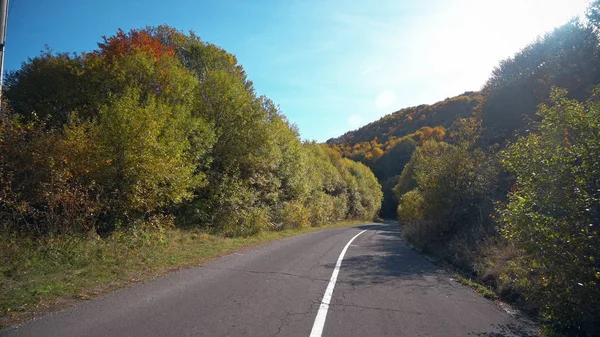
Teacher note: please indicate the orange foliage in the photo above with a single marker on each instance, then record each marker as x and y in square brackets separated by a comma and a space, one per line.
[377, 152]
[427, 133]
[134, 41]
[438, 134]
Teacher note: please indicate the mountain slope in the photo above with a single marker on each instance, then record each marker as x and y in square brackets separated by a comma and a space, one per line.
[409, 120]
[387, 144]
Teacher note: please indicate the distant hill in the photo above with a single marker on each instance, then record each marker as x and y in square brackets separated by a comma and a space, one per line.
[408, 120]
[387, 144]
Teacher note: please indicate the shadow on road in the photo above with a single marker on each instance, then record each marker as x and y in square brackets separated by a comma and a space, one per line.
[505, 330]
[383, 257]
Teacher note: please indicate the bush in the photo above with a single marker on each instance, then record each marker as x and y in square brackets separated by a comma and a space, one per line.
[453, 184]
[46, 177]
[410, 210]
[294, 215]
[553, 213]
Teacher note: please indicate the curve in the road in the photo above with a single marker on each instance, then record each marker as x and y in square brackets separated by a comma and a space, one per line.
[317, 329]
[383, 288]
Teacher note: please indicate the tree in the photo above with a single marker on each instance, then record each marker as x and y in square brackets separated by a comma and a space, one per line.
[444, 189]
[593, 14]
[159, 122]
[553, 213]
[145, 143]
[50, 86]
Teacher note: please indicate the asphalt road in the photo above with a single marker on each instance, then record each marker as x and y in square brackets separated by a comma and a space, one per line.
[383, 289]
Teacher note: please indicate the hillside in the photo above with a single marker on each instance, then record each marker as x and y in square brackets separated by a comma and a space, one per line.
[387, 144]
[408, 120]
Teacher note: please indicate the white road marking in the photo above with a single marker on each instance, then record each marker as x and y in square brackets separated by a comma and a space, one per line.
[317, 329]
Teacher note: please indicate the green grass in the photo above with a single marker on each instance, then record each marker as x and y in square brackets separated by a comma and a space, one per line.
[487, 293]
[46, 274]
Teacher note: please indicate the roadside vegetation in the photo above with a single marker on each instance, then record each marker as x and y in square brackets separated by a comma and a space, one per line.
[151, 151]
[504, 183]
[44, 274]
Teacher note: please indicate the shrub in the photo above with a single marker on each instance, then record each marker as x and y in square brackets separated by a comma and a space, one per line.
[553, 213]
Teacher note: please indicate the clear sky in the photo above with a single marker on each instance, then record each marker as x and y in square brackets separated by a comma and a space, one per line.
[331, 65]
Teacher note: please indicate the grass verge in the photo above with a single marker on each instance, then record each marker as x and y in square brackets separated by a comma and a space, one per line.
[38, 276]
[481, 289]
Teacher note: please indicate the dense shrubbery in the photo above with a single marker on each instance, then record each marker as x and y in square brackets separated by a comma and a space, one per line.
[546, 257]
[158, 123]
[443, 191]
[553, 213]
[548, 251]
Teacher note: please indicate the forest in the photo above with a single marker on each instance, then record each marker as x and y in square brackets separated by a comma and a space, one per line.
[157, 124]
[152, 133]
[503, 184]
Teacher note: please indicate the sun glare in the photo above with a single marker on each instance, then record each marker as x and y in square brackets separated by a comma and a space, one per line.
[523, 20]
[478, 34]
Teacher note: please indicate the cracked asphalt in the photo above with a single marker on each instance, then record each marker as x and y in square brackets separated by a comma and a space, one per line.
[383, 289]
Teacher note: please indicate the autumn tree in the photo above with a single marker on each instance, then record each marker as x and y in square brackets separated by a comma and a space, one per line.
[157, 122]
[553, 212]
[444, 192]
[123, 44]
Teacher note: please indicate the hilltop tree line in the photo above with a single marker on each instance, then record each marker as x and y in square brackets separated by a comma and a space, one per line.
[156, 127]
[506, 186]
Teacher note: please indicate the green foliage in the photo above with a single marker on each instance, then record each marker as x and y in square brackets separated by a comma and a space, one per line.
[348, 182]
[49, 87]
[443, 192]
[144, 146]
[406, 181]
[411, 215]
[158, 123]
[386, 145]
[553, 213]
[246, 155]
[487, 293]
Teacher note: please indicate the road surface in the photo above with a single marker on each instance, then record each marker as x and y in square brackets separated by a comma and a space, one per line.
[382, 288]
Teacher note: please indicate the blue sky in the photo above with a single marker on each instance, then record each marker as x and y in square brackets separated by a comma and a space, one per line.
[331, 65]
